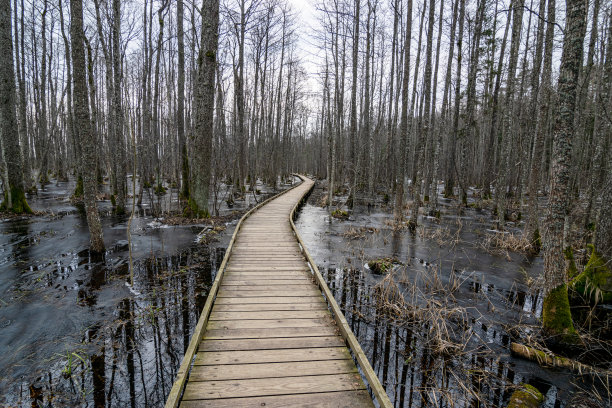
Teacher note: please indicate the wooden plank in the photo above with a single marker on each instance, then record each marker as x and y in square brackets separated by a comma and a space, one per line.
[269, 315]
[266, 324]
[342, 399]
[306, 286]
[268, 333]
[242, 300]
[271, 356]
[271, 344]
[265, 293]
[267, 282]
[270, 306]
[307, 291]
[257, 387]
[267, 370]
[270, 268]
[230, 276]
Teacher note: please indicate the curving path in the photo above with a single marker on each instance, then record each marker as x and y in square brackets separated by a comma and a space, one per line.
[270, 339]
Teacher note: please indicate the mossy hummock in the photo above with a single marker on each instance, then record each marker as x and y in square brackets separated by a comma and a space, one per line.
[527, 396]
[595, 282]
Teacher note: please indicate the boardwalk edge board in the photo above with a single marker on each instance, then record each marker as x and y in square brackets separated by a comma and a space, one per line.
[176, 393]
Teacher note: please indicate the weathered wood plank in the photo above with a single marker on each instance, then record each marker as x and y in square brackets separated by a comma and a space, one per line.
[269, 306]
[343, 399]
[265, 324]
[269, 315]
[271, 356]
[268, 333]
[267, 370]
[251, 282]
[242, 300]
[272, 386]
[307, 291]
[271, 344]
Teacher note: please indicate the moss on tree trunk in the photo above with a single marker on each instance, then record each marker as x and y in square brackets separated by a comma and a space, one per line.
[595, 282]
[19, 204]
[557, 317]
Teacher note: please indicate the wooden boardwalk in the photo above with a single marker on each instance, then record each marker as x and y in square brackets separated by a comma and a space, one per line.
[269, 338]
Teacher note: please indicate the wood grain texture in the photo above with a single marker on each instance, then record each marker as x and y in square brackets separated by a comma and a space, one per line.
[342, 399]
[257, 387]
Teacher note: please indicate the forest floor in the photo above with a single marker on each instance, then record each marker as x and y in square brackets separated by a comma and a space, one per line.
[436, 325]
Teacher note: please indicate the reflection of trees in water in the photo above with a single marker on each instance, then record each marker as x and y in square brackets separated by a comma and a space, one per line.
[413, 370]
[132, 360]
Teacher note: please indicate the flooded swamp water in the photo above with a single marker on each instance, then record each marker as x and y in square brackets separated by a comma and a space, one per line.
[74, 332]
[437, 329]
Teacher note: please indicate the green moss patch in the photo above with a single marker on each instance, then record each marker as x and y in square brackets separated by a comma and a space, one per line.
[557, 318]
[18, 202]
[340, 214]
[527, 396]
[382, 265]
[595, 282]
[572, 271]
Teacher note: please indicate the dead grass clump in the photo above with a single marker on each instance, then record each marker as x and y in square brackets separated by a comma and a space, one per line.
[506, 242]
[359, 232]
[428, 304]
[389, 298]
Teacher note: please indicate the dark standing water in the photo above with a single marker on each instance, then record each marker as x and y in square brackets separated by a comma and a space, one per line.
[73, 332]
[489, 307]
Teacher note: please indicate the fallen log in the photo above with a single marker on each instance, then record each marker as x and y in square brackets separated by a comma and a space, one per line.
[552, 360]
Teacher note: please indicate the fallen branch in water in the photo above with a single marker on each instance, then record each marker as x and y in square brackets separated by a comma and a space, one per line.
[544, 358]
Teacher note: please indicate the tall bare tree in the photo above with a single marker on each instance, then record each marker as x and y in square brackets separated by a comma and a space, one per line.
[83, 126]
[204, 100]
[14, 197]
[556, 316]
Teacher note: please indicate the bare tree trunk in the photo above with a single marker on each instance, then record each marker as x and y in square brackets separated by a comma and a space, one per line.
[503, 176]
[42, 122]
[424, 129]
[532, 230]
[353, 124]
[83, 126]
[29, 183]
[445, 101]
[603, 222]
[556, 316]
[204, 108]
[452, 164]
[467, 135]
[180, 120]
[399, 188]
[367, 133]
[14, 198]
